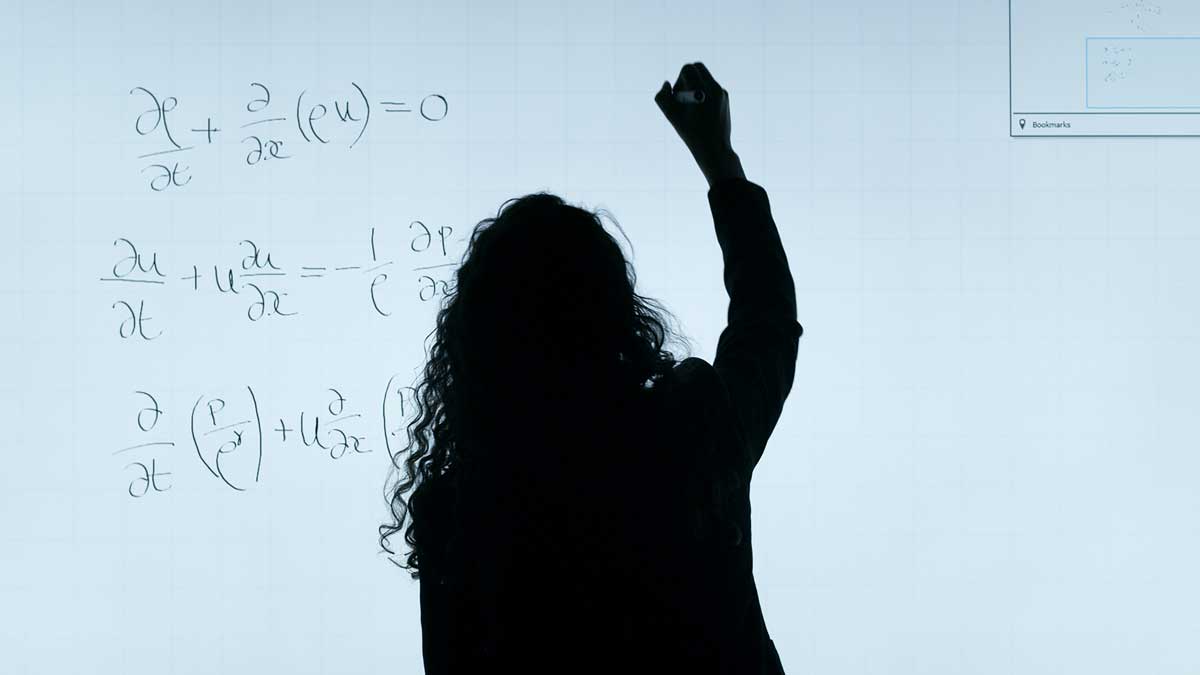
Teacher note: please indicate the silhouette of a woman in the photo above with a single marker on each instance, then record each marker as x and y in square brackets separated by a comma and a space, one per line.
[577, 498]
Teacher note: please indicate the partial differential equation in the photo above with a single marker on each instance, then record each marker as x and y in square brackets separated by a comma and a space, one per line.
[263, 281]
[266, 130]
[233, 436]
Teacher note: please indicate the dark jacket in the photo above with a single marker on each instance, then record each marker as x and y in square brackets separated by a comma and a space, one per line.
[600, 573]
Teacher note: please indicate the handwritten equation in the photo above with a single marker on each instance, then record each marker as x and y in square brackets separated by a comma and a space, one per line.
[1140, 14]
[1117, 62]
[264, 285]
[318, 121]
[231, 434]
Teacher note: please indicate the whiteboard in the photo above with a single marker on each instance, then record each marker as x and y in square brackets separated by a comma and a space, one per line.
[987, 463]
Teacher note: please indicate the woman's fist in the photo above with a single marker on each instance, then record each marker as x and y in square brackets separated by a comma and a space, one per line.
[703, 126]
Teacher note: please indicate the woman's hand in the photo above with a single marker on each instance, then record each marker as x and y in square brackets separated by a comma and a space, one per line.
[703, 127]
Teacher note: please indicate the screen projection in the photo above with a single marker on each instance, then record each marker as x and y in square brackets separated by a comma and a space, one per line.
[228, 226]
[1109, 68]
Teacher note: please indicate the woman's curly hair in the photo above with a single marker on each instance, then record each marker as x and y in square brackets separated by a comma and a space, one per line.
[543, 292]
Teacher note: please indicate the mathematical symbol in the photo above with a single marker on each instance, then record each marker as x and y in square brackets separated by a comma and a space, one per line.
[165, 152]
[208, 129]
[269, 119]
[372, 269]
[283, 429]
[195, 278]
[388, 103]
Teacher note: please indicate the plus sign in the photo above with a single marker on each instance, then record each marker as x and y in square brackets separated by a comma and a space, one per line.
[208, 129]
[283, 430]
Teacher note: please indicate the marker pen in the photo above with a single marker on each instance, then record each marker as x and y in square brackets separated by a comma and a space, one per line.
[689, 96]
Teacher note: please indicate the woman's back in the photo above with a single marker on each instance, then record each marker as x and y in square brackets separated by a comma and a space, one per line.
[618, 538]
[596, 559]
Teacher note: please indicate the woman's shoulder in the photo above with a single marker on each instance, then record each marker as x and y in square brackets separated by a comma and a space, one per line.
[694, 390]
[688, 379]
[699, 409]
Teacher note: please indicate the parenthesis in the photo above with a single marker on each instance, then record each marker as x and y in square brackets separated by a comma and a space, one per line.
[258, 421]
[367, 119]
[298, 125]
[387, 444]
[196, 443]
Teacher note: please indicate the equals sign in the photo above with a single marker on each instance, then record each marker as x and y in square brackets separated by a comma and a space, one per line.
[394, 103]
[311, 269]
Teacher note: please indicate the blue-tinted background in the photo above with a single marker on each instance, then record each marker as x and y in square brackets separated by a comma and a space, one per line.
[988, 462]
